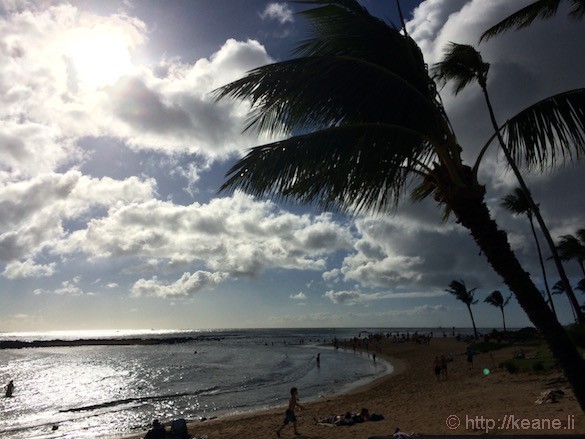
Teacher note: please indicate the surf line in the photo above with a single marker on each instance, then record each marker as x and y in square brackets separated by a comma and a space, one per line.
[124, 401]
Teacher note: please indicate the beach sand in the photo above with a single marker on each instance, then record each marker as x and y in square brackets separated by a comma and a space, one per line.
[413, 400]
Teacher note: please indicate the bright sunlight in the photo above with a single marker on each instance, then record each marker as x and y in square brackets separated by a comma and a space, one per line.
[99, 57]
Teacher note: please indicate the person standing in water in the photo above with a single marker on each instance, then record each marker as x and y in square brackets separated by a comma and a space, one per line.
[9, 388]
[289, 416]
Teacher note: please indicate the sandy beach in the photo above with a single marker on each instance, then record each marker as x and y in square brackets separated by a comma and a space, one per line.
[412, 399]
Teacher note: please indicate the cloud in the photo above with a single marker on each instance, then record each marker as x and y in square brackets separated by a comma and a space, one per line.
[51, 95]
[356, 297]
[187, 286]
[278, 11]
[236, 235]
[299, 296]
[67, 288]
[28, 268]
[33, 212]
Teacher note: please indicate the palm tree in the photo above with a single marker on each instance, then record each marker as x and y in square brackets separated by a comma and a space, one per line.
[496, 299]
[573, 248]
[559, 288]
[464, 65]
[460, 291]
[581, 287]
[517, 203]
[367, 121]
[541, 9]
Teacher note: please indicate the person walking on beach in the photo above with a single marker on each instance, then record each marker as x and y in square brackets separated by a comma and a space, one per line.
[289, 416]
[318, 360]
[437, 368]
[443, 367]
[469, 354]
[9, 389]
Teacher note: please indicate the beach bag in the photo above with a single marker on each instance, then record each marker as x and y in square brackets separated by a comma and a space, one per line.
[376, 417]
[179, 429]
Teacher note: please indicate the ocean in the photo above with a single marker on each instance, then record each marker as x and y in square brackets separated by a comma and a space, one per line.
[115, 390]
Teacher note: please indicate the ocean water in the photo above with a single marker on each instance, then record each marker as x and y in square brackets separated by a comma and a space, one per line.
[109, 391]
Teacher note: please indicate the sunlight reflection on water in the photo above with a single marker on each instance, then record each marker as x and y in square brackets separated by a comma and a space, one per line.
[97, 391]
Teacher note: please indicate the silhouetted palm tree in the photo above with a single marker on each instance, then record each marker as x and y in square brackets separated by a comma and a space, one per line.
[559, 289]
[496, 299]
[517, 203]
[464, 65]
[460, 291]
[572, 248]
[541, 9]
[581, 287]
[367, 120]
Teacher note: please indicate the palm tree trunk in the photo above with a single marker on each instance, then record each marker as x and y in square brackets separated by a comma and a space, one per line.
[468, 205]
[503, 318]
[535, 209]
[472, 321]
[550, 299]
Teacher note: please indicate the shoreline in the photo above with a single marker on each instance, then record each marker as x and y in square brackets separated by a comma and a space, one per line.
[395, 366]
[411, 398]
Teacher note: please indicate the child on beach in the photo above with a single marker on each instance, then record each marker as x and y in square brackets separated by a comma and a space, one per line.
[289, 416]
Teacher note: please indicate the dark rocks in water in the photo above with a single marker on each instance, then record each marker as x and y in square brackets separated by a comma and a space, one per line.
[17, 344]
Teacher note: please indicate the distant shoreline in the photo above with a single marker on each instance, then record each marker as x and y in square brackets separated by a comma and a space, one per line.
[18, 344]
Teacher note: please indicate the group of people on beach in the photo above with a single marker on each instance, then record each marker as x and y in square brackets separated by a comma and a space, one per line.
[335, 420]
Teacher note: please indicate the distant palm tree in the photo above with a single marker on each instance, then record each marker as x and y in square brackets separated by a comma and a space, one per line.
[517, 203]
[581, 287]
[496, 299]
[464, 65]
[541, 9]
[460, 291]
[572, 248]
[559, 288]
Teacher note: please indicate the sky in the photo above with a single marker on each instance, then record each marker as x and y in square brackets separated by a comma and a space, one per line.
[112, 152]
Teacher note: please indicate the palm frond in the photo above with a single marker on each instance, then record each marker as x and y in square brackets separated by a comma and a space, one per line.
[353, 168]
[559, 288]
[495, 299]
[548, 132]
[541, 9]
[461, 64]
[298, 95]
[460, 291]
[517, 202]
[570, 247]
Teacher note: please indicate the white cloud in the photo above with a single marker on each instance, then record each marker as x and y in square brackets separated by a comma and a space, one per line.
[236, 235]
[299, 296]
[356, 297]
[28, 268]
[188, 285]
[67, 288]
[33, 211]
[278, 11]
[55, 88]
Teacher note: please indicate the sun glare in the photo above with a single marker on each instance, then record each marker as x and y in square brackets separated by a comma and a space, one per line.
[98, 58]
